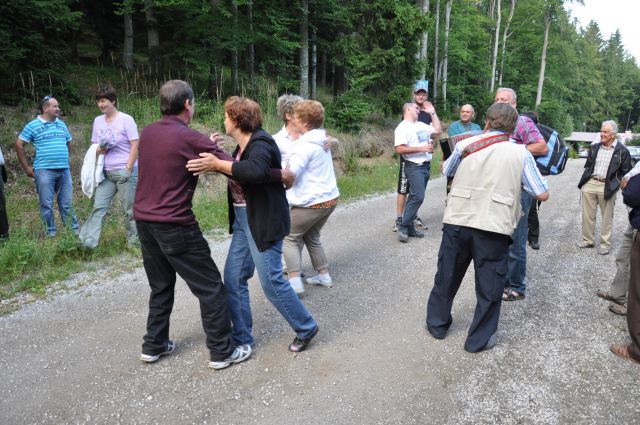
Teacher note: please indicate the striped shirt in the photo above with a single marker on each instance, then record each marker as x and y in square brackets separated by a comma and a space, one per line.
[50, 141]
[603, 159]
[532, 180]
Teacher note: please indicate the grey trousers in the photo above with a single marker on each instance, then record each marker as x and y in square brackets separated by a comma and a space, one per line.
[116, 182]
[620, 283]
[306, 224]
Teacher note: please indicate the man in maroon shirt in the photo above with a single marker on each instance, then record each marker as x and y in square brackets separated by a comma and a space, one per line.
[170, 237]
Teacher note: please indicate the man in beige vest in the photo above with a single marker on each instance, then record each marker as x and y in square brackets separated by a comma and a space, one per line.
[483, 209]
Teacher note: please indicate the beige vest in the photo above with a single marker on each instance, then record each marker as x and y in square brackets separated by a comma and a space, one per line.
[485, 193]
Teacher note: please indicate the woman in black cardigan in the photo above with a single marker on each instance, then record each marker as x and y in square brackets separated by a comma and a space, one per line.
[259, 218]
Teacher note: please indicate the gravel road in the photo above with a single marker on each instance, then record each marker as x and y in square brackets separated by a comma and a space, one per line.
[73, 358]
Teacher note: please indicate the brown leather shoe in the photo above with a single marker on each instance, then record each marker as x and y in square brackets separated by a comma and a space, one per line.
[605, 295]
[622, 351]
[619, 309]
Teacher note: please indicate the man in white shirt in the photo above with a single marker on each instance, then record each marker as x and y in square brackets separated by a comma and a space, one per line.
[412, 141]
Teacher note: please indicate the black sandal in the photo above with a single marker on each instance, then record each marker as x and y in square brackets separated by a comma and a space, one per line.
[301, 344]
[511, 297]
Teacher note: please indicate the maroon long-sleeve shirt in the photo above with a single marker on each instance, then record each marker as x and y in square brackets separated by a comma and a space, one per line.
[165, 187]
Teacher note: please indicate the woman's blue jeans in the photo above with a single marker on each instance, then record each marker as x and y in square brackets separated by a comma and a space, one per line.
[243, 256]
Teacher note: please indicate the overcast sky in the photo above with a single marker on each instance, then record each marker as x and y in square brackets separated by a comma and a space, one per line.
[611, 15]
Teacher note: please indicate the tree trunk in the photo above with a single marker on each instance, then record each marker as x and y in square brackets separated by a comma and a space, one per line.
[494, 56]
[234, 52]
[153, 38]
[447, 15]
[314, 64]
[543, 60]
[490, 12]
[505, 35]
[323, 69]
[127, 50]
[252, 55]
[435, 54]
[304, 49]
[424, 42]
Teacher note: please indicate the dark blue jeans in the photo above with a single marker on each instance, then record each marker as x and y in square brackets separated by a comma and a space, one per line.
[168, 249]
[518, 250]
[418, 176]
[276, 288]
[488, 251]
[238, 269]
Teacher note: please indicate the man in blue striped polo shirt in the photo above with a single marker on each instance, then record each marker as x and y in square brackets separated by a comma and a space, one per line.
[52, 142]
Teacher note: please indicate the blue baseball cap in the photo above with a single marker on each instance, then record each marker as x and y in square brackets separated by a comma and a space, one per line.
[421, 85]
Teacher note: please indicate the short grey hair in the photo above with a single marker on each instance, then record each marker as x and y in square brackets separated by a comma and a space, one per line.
[612, 124]
[285, 105]
[514, 96]
[173, 94]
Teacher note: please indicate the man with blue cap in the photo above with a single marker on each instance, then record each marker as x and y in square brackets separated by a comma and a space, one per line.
[427, 113]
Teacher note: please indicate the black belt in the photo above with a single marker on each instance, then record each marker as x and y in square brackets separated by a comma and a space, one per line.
[599, 179]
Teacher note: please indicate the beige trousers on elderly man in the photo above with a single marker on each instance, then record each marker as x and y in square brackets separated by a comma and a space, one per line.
[593, 197]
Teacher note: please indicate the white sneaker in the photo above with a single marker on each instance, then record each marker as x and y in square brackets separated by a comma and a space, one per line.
[321, 279]
[297, 285]
[240, 354]
[152, 358]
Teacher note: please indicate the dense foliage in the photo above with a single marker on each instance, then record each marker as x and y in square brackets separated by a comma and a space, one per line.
[363, 55]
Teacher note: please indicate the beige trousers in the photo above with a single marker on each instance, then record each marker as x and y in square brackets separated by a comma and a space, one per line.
[306, 224]
[592, 198]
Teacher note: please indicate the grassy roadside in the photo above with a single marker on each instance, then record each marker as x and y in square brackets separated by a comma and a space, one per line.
[31, 262]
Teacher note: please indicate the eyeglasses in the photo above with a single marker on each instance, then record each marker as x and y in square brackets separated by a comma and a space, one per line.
[44, 99]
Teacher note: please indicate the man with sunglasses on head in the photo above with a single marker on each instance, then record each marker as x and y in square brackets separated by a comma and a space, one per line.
[52, 142]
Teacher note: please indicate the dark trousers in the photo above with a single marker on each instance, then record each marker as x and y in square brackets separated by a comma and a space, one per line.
[533, 222]
[633, 299]
[488, 251]
[168, 249]
[4, 221]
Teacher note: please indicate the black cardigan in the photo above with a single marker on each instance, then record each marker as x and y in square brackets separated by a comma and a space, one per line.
[267, 206]
[619, 166]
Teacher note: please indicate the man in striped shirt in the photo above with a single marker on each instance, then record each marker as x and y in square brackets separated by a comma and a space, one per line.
[52, 142]
[526, 133]
[607, 164]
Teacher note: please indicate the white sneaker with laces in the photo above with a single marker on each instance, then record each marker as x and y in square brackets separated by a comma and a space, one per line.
[240, 354]
[321, 279]
[152, 358]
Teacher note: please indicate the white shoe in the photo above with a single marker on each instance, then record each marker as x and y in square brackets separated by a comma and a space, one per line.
[297, 285]
[152, 358]
[321, 279]
[240, 354]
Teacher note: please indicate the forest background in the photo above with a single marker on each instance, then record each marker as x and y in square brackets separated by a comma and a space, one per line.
[360, 58]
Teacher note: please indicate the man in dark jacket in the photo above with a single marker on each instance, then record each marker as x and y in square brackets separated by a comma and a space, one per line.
[608, 162]
[631, 351]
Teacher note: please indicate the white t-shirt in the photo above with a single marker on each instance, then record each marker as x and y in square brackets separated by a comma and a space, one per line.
[413, 134]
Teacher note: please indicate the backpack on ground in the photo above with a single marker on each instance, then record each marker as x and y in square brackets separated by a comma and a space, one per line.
[557, 154]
